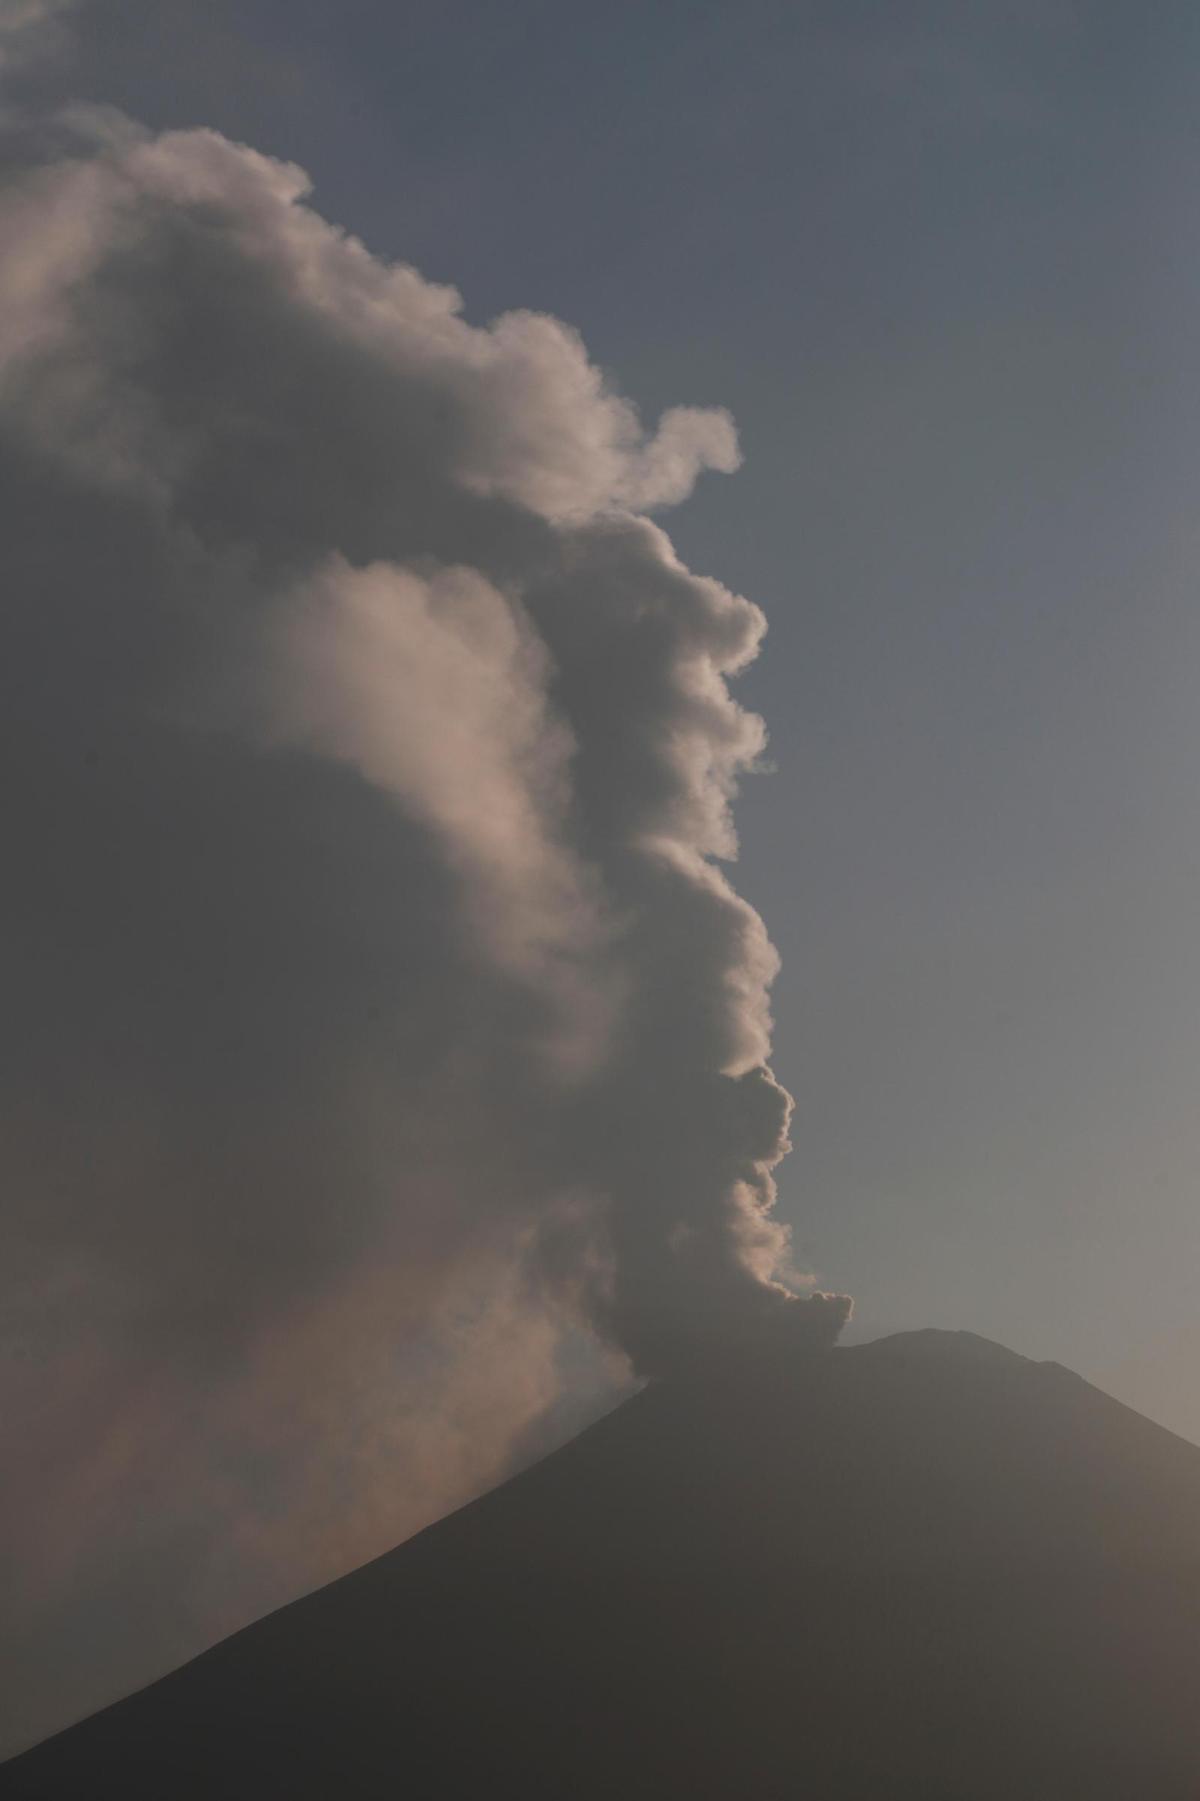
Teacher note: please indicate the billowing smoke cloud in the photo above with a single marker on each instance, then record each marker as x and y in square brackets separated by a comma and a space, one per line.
[378, 1015]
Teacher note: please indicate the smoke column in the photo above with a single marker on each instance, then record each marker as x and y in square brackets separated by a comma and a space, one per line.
[379, 1016]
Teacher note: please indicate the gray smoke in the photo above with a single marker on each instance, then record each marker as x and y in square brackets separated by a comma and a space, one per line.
[378, 1013]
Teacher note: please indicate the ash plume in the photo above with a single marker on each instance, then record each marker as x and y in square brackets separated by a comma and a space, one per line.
[379, 1014]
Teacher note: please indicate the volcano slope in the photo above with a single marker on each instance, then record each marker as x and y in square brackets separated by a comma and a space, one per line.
[925, 1567]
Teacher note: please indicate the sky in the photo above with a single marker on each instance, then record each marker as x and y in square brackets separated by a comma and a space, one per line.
[939, 265]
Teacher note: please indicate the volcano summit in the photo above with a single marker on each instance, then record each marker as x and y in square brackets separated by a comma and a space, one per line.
[924, 1567]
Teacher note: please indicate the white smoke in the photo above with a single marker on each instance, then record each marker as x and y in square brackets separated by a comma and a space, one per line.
[380, 1015]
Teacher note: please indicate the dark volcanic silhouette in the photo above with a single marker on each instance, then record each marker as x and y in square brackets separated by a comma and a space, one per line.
[921, 1568]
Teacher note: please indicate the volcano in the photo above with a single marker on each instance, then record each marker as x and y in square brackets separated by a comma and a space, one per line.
[922, 1568]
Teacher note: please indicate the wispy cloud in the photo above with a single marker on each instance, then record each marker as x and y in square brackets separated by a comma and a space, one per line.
[31, 28]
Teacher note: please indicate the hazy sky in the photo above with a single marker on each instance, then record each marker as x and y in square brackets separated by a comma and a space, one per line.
[940, 261]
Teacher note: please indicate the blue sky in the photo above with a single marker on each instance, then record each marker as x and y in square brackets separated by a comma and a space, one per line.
[940, 262]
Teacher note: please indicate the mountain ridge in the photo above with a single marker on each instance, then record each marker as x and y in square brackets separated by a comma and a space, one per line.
[925, 1566]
